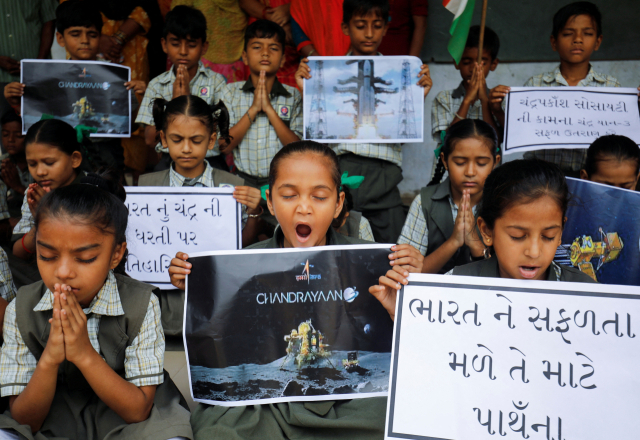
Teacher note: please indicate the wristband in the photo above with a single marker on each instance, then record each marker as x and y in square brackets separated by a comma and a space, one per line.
[23, 246]
[458, 116]
[120, 37]
[249, 117]
[256, 215]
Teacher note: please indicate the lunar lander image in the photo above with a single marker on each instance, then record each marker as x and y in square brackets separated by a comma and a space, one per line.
[584, 252]
[82, 109]
[306, 346]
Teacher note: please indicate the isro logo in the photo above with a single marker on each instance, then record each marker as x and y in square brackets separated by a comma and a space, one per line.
[306, 275]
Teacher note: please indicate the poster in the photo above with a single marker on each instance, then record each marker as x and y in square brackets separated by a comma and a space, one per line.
[364, 99]
[602, 235]
[540, 118]
[276, 325]
[485, 358]
[90, 93]
[164, 221]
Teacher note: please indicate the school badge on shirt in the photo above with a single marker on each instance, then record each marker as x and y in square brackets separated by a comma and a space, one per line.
[204, 92]
[284, 111]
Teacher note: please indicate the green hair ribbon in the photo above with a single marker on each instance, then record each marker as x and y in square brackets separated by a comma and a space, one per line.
[351, 182]
[83, 130]
[437, 151]
[263, 191]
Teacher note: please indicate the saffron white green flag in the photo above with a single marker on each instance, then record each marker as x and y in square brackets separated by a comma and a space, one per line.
[462, 11]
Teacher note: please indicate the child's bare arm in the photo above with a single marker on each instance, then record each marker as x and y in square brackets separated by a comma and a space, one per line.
[32, 405]
[496, 96]
[284, 133]
[303, 72]
[484, 100]
[179, 269]
[129, 401]
[13, 93]
[424, 80]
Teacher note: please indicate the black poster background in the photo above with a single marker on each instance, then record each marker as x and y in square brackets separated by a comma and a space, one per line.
[43, 93]
[225, 325]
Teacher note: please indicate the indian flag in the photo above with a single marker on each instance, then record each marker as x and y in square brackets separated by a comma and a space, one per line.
[462, 11]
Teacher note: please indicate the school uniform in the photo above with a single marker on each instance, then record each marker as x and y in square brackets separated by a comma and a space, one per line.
[489, 269]
[356, 419]
[206, 84]
[378, 197]
[252, 157]
[570, 160]
[172, 300]
[430, 223]
[123, 322]
[357, 226]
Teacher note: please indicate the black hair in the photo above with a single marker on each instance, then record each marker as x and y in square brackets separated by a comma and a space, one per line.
[82, 13]
[491, 40]
[305, 147]
[56, 133]
[611, 147]
[522, 181]
[346, 207]
[363, 7]
[185, 21]
[98, 201]
[10, 116]
[565, 13]
[464, 129]
[264, 29]
[194, 107]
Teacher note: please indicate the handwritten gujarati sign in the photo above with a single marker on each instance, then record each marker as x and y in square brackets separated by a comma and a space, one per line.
[163, 221]
[539, 118]
[485, 358]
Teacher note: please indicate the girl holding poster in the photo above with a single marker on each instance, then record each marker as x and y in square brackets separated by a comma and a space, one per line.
[521, 218]
[305, 197]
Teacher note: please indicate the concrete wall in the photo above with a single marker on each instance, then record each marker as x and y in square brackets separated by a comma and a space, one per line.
[418, 158]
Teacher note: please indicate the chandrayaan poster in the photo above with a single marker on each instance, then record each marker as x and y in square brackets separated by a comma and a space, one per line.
[371, 99]
[276, 325]
[90, 93]
[601, 236]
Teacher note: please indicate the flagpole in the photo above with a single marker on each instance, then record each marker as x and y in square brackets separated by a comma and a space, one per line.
[482, 23]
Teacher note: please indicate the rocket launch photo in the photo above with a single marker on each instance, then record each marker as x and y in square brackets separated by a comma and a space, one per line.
[364, 100]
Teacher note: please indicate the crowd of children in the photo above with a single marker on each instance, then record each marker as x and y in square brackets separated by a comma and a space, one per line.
[84, 345]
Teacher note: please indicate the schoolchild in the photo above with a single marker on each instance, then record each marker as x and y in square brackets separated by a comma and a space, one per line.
[470, 100]
[14, 173]
[576, 35]
[13, 169]
[613, 160]
[78, 30]
[264, 114]
[188, 128]
[520, 218]
[54, 157]
[304, 196]
[83, 348]
[184, 40]
[441, 222]
[378, 198]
